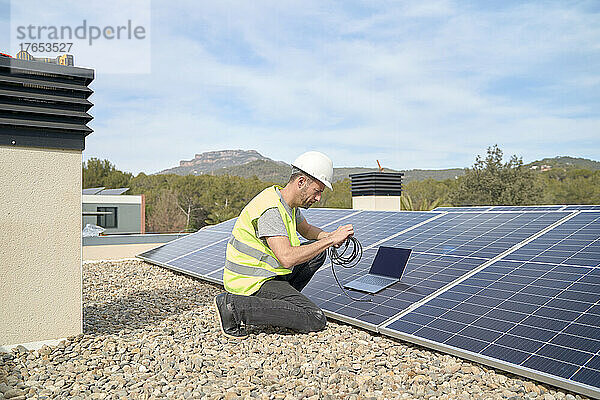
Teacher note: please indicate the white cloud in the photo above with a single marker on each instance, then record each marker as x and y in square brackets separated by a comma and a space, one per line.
[423, 85]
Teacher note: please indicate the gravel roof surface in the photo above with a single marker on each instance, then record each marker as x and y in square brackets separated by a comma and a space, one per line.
[151, 333]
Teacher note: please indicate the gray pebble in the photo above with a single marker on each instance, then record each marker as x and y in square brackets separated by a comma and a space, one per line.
[13, 393]
[151, 333]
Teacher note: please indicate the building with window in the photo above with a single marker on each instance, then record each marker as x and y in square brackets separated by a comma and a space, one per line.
[116, 212]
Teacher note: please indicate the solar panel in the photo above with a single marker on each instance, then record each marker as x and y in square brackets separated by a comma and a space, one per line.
[424, 275]
[202, 262]
[539, 319]
[373, 226]
[215, 276]
[536, 316]
[501, 208]
[183, 246]
[575, 242]
[225, 227]
[520, 208]
[483, 235]
[444, 248]
[117, 191]
[463, 209]
[582, 207]
[527, 208]
[323, 217]
[92, 190]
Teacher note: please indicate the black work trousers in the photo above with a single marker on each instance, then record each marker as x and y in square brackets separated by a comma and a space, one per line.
[279, 303]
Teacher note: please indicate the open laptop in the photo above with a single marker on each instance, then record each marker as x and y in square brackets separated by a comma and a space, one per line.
[387, 269]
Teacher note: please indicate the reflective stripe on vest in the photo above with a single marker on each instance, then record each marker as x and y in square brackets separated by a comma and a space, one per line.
[252, 252]
[249, 271]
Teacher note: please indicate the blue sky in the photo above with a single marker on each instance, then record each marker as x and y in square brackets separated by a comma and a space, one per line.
[423, 84]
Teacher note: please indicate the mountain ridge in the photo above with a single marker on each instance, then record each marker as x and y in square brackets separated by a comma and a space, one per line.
[249, 163]
[210, 161]
[567, 162]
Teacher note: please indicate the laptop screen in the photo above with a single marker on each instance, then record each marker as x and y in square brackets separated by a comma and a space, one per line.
[390, 261]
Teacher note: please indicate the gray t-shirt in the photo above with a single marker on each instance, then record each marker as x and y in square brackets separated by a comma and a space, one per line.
[270, 222]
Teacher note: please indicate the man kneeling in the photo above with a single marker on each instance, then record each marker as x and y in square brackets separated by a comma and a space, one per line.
[266, 267]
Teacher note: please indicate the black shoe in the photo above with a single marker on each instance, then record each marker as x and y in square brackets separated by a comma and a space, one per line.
[226, 320]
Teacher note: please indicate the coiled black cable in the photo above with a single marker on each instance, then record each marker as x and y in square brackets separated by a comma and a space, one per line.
[338, 256]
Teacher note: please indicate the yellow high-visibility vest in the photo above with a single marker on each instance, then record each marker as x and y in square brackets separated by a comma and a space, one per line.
[249, 261]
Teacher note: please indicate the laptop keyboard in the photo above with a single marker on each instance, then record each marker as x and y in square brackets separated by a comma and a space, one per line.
[375, 280]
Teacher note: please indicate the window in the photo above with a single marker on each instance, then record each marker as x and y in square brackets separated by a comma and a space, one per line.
[107, 220]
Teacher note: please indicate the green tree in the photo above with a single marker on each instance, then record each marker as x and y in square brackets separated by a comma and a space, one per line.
[201, 200]
[570, 186]
[103, 173]
[492, 182]
[426, 194]
[188, 193]
[228, 195]
[407, 204]
[340, 197]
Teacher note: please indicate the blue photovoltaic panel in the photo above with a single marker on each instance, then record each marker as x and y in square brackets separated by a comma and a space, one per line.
[532, 315]
[482, 235]
[373, 226]
[501, 208]
[215, 276]
[202, 262]
[424, 274]
[574, 242]
[526, 208]
[444, 249]
[225, 227]
[582, 207]
[323, 217]
[463, 209]
[520, 208]
[180, 247]
[542, 315]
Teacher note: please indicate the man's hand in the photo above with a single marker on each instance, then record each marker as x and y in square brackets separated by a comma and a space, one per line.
[341, 234]
[289, 256]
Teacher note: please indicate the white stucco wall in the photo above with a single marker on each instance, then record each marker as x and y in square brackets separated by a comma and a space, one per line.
[376, 203]
[40, 245]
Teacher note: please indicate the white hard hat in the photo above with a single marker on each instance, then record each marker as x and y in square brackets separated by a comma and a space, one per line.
[317, 165]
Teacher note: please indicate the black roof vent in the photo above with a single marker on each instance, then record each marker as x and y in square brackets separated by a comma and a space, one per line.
[377, 184]
[44, 105]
